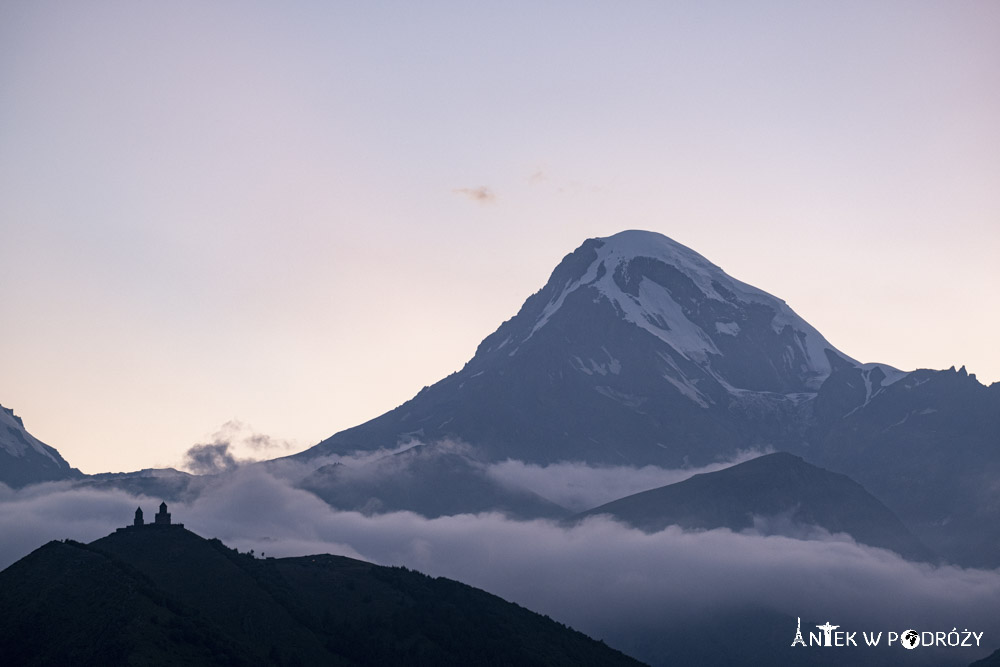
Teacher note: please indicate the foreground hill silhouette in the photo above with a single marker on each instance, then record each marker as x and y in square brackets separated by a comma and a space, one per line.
[164, 595]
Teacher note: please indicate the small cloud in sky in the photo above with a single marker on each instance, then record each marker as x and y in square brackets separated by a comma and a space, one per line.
[209, 459]
[482, 194]
[234, 443]
[538, 177]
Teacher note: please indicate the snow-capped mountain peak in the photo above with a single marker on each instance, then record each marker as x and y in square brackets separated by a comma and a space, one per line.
[692, 305]
[636, 349]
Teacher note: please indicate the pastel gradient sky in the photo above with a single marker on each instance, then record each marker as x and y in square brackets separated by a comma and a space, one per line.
[297, 214]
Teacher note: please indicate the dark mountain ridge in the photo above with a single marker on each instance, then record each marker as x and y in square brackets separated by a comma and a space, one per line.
[928, 445]
[776, 493]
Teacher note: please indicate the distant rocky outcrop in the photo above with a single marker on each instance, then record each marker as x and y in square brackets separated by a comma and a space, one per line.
[927, 444]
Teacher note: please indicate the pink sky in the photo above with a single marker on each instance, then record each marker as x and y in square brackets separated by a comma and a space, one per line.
[269, 214]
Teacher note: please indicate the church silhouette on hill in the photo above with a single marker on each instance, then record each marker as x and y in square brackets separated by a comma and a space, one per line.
[160, 520]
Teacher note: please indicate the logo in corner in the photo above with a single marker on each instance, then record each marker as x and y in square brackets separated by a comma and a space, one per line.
[908, 639]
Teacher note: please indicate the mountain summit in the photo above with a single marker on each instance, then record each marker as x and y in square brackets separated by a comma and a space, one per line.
[739, 336]
[637, 350]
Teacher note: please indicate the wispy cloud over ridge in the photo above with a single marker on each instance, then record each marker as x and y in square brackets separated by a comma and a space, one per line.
[578, 486]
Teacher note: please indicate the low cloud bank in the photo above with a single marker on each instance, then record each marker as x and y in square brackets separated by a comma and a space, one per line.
[425, 473]
[601, 577]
